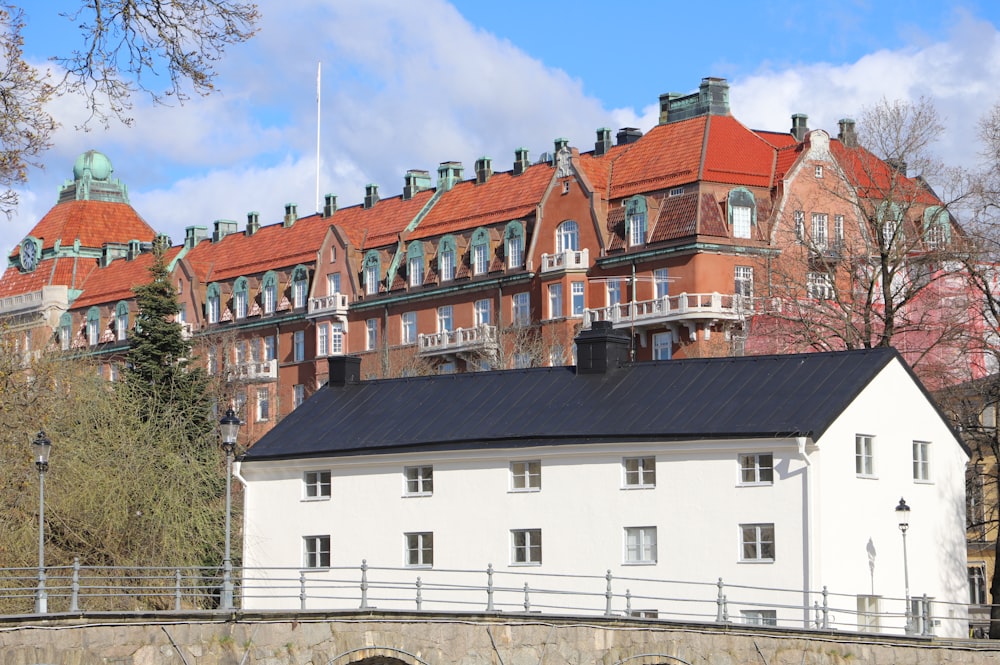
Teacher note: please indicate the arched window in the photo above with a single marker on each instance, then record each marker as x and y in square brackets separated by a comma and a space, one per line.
[121, 320]
[480, 251]
[212, 303]
[742, 208]
[372, 271]
[65, 330]
[93, 326]
[269, 292]
[415, 263]
[635, 221]
[446, 259]
[513, 237]
[568, 237]
[937, 227]
[300, 286]
[240, 298]
[890, 220]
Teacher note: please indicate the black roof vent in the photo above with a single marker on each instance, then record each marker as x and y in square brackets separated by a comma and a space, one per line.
[601, 348]
[344, 370]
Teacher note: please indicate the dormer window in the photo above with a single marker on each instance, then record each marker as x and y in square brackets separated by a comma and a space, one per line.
[93, 326]
[514, 241]
[635, 220]
[446, 259]
[121, 320]
[742, 212]
[480, 252]
[819, 171]
[212, 303]
[240, 298]
[937, 227]
[269, 293]
[415, 264]
[372, 270]
[65, 330]
[300, 286]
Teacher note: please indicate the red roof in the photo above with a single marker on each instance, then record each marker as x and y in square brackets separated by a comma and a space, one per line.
[94, 223]
[114, 282]
[63, 271]
[875, 179]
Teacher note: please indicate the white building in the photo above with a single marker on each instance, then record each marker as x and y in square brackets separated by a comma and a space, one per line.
[633, 488]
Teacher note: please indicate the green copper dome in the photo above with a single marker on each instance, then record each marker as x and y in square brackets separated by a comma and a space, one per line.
[92, 181]
[96, 163]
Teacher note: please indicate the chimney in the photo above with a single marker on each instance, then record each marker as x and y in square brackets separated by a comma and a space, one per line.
[291, 214]
[712, 98]
[329, 205]
[521, 162]
[848, 135]
[223, 227]
[371, 195]
[416, 180]
[253, 222]
[134, 250]
[344, 370]
[800, 126]
[603, 142]
[484, 169]
[193, 235]
[627, 135]
[449, 175]
[713, 95]
[897, 165]
[560, 144]
[602, 348]
[111, 251]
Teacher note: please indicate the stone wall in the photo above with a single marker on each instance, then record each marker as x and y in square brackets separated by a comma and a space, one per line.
[466, 639]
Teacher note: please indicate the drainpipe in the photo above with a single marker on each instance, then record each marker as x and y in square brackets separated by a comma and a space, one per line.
[385, 343]
[807, 525]
[631, 309]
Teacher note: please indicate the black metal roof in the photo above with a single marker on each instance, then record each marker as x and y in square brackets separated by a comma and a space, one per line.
[746, 397]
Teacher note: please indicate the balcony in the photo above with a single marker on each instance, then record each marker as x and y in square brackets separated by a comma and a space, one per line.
[567, 260]
[481, 339]
[687, 309]
[331, 305]
[254, 372]
[187, 330]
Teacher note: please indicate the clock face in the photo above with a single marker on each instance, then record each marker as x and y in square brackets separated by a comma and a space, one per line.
[29, 256]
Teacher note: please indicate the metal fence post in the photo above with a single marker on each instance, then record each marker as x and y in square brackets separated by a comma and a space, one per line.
[527, 601]
[628, 602]
[608, 596]
[177, 589]
[419, 595]
[74, 598]
[364, 584]
[826, 609]
[489, 588]
[928, 628]
[719, 603]
[302, 590]
[818, 621]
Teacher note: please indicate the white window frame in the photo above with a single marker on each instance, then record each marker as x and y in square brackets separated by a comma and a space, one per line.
[316, 485]
[480, 259]
[408, 328]
[838, 229]
[515, 252]
[742, 216]
[640, 546]
[756, 469]
[526, 476]
[819, 229]
[322, 339]
[316, 552]
[300, 288]
[819, 286]
[213, 307]
[269, 297]
[332, 283]
[661, 281]
[483, 310]
[298, 395]
[568, 237]
[864, 455]
[663, 345]
[520, 304]
[418, 480]
[415, 271]
[555, 301]
[445, 318]
[336, 339]
[447, 265]
[921, 461]
[298, 346]
[93, 331]
[371, 280]
[743, 281]
[577, 291]
[270, 350]
[759, 617]
[371, 334]
[521, 360]
[757, 543]
[800, 225]
[526, 547]
[614, 291]
[263, 405]
[419, 549]
[240, 304]
[639, 472]
[637, 229]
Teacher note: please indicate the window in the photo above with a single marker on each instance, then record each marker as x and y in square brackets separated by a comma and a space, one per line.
[240, 298]
[298, 346]
[483, 310]
[480, 252]
[526, 476]
[662, 346]
[977, 584]
[263, 404]
[371, 334]
[521, 309]
[741, 222]
[323, 339]
[640, 471]
[93, 326]
[800, 225]
[521, 360]
[415, 264]
[317, 484]
[212, 303]
[336, 339]
[921, 460]
[744, 281]
[371, 272]
[316, 551]
[675, 191]
[447, 367]
[614, 292]
[213, 361]
[864, 455]
[635, 220]
[240, 352]
[757, 469]
[568, 237]
[742, 207]
[269, 293]
[419, 549]
[445, 319]
[937, 227]
[419, 480]
[65, 330]
[819, 229]
[577, 292]
[332, 283]
[408, 328]
[254, 351]
[640, 544]
[300, 287]
[446, 259]
[819, 286]
[555, 301]
[868, 614]
[818, 171]
[760, 617]
[514, 236]
[298, 395]
[121, 321]
[838, 229]
[661, 282]
[270, 352]
[556, 355]
[526, 546]
[333, 253]
[757, 541]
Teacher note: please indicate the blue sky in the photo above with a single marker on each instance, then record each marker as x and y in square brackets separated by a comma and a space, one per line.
[411, 84]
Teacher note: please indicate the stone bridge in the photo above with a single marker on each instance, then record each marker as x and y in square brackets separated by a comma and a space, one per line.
[384, 638]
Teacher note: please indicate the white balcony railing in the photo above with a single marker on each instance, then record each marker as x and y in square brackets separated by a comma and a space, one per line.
[334, 304]
[187, 330]
[460, 340]
[567, 260]
[671, 309]
[266, 370]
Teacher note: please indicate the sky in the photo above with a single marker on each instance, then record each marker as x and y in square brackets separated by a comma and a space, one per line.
[408, 85]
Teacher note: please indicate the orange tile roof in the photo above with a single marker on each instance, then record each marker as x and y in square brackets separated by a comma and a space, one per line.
[502, 198]
[875, 179]
[678, 218]
[114, 282]
[777, 139]
[736, 155]
[666, 156]
[786, 158]
[93, 222]
[61, 271]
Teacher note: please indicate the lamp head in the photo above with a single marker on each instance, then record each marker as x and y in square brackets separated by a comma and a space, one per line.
[229, 427]
[40, 449]
[903, 515]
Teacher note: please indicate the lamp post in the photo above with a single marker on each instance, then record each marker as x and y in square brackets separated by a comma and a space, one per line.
[903, 514]
[229, 427]
[40, 449]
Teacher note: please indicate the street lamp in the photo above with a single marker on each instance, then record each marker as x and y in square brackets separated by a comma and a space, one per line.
[903, 515]
[40, 449]
[229, 427]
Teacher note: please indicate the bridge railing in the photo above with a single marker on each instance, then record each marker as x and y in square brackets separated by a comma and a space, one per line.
[81, 590]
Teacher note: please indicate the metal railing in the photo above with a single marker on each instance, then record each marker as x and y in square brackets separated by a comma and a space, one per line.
[82, 590]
